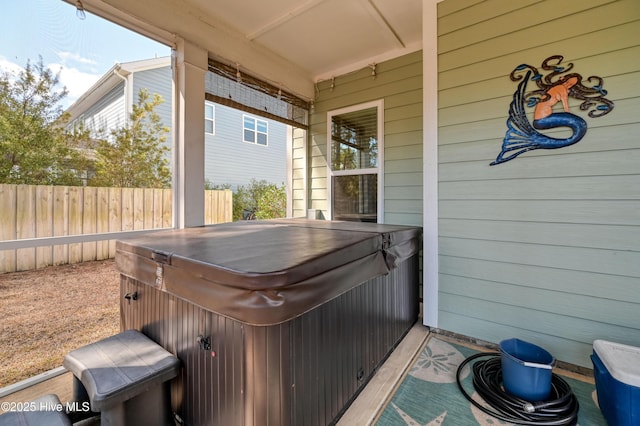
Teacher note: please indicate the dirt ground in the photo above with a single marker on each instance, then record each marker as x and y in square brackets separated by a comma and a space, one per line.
[48, 312]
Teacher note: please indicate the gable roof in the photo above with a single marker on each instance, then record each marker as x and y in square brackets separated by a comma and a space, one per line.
[111, 79]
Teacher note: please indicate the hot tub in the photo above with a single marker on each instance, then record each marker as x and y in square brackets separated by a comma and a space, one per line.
[276, 322]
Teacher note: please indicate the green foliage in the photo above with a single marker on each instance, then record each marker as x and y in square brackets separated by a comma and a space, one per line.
[267, 200]
[272, 202]
[135, 155]
[208, 185]
[34, 148]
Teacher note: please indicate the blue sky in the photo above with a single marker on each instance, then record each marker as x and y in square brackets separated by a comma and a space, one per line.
[83, 50]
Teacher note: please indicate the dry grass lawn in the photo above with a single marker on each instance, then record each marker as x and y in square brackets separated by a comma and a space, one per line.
[46, 313]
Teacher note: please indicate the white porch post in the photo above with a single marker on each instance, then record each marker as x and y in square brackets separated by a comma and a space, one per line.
[190, 65]
[430, 160]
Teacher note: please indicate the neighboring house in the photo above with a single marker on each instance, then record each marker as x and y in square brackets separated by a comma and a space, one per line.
[107, 104]
[239, 146]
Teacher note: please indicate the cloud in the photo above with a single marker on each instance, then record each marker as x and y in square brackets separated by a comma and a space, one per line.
[77, 73]
[76, 81]
[74, 57]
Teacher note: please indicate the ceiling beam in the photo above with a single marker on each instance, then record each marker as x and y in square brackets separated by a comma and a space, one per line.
[378, 16]
[284, 18]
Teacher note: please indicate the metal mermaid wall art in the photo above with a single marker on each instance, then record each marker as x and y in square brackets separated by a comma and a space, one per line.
[557, 86]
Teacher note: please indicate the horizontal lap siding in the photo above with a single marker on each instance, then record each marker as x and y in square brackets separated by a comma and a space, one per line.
[545, 247]
[157, 80]
[399, 83]
[230, 160]
[298, 173]
[108, 113]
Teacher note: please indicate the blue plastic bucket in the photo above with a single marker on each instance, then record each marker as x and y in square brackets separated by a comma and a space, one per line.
[526, 370]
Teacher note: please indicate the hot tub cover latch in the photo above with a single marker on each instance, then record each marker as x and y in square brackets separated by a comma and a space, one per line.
[161, 257]
[389, 258]
[386, 241]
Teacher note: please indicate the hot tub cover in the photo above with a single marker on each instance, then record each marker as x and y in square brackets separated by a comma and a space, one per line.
[266, 272]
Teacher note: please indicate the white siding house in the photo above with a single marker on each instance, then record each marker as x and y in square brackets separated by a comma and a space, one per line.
[231, 158]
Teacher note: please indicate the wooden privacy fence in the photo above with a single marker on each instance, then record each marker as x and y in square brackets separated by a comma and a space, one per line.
[32, 211]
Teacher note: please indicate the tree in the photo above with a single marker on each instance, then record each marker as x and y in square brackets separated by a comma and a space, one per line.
[135, 154]
[34, 147]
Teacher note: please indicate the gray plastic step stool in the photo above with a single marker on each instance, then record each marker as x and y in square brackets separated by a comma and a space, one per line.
[46, 410]
[125, 378]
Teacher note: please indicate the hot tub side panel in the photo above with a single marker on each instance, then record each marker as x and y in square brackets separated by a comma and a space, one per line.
[209, 389]
[301, 372]
[339, 345]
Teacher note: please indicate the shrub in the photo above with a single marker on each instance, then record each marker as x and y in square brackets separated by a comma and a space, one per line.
[266, 200]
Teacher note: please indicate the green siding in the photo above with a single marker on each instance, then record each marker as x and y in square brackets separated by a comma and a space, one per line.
[399, 83]
[545, 247]
[298, 173]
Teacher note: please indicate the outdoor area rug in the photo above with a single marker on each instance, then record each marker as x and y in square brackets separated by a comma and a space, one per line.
[429, 394]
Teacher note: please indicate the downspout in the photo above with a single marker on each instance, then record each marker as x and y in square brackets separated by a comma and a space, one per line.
[127, 96]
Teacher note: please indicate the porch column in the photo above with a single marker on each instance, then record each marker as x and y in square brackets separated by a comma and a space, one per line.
[430, 160]
[189, 67]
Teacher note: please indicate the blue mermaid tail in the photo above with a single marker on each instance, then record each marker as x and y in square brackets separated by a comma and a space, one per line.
[522, 136]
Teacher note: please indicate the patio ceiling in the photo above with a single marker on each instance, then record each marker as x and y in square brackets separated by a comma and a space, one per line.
[322, 36]
[302, 41]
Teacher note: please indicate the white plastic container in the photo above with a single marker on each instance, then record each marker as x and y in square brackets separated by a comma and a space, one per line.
[616, 369]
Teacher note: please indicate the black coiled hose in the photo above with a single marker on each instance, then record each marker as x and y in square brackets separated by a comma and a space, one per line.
[561, 409]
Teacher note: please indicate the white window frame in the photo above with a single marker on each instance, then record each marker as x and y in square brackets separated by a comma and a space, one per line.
[212, 119]
[379, 171]
[255, 131]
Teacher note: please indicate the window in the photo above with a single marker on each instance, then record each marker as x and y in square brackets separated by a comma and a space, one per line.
[255, 130]
[209, 118]
[355, 162]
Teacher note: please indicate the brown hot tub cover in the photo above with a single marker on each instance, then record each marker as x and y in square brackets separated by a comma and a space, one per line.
[266, 272]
